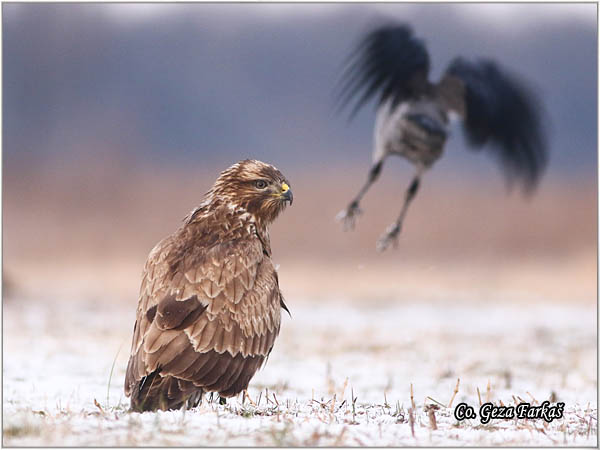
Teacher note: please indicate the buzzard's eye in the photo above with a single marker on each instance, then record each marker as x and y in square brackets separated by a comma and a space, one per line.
[260, 184]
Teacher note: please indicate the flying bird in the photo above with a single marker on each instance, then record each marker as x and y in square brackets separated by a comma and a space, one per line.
[210, 306]
[498, 112]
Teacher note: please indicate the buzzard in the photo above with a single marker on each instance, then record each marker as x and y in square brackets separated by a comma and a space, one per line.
[498, 111]
[210, 306]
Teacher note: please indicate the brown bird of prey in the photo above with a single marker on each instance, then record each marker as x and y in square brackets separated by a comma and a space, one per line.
[210, 305]
[498, 112]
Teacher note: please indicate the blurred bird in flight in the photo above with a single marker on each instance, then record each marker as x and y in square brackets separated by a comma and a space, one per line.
[498, 112]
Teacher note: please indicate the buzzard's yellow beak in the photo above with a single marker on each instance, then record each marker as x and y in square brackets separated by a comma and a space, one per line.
[286, 193]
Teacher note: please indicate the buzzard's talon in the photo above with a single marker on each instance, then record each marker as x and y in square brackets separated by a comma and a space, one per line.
[349, 215]
[390, 237]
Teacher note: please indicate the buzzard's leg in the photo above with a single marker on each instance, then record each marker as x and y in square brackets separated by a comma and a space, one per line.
[391, 234]
[194, 400]
[348, 216]
[222, 400]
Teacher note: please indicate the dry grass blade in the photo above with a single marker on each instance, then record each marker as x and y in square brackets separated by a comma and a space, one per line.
[98, 406]
[430, 409]
[344, 387]
[412, 397]
[454, 393]
[435, 401]
[248, 397]
[112, 368]
[479, 396]
[488, 392]
[532, 398]
[507, 379]
[541, 430]
[411, 421]
[338, 440]
[330, 380]
[353, 406]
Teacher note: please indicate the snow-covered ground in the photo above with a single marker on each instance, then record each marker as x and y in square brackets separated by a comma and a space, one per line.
[340, 374]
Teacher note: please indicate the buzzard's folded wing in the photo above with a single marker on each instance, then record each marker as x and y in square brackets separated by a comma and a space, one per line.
[209, 318]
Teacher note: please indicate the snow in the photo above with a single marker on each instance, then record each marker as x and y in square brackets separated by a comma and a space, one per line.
[58, 356]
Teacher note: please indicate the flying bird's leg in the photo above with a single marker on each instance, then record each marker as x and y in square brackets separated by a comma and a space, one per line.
[391, 234]
[348, 216]
[222, 400]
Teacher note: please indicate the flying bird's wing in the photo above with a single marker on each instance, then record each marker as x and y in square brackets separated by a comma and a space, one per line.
[207, 316]
[389, 61]
[500, 110]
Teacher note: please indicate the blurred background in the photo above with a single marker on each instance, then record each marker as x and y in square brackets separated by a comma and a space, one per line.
[118, 117]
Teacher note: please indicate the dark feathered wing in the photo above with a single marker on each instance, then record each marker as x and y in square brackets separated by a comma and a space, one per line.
[501, 111]
[207, 318]
[389, 62]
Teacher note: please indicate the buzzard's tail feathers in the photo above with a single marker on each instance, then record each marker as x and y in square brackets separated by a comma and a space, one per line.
[154, 392]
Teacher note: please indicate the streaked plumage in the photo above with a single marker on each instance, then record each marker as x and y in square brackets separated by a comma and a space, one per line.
[210, 305]
[499, 112]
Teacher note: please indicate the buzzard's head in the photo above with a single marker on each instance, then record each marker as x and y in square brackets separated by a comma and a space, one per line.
[257, 187]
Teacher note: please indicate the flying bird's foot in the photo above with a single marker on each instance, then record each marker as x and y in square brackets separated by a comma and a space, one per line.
[349, 215]
[390, 237]
[222, 400]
